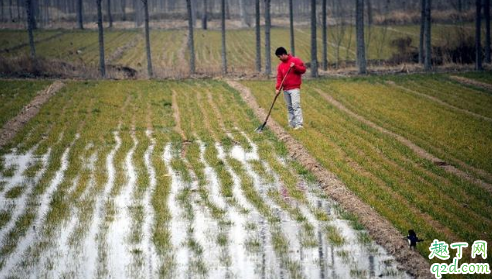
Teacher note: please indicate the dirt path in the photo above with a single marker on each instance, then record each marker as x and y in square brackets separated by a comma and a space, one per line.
[120, 51]
[418, 150]
[379, 228]
[468, 81]
[181, 53]
[14, 125]
[437, 100]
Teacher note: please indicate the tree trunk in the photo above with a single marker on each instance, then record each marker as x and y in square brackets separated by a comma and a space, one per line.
[369, 12]
[35, 11]
[136, 10]
[191, 44]
[244, 14]
[18, 10]
[422, 31]
[11, 16]
[314, 43]
[268, 60]
[478, 31]
[258, 36]
[80, 14]
[147, 38]
[428, 35]
[110, 16]
[32, 19]
[30, 27]
[291, 21]
[204, 15]
[486, 13]
[223, 31]
[123, 10]
[2, 17]
[361, 52]
[193, 12]
[102, 66]
[325, 41]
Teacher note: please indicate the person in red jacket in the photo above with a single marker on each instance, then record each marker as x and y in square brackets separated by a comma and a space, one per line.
[291, 86]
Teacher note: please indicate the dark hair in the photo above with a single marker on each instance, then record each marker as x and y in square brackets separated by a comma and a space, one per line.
[280, 51]
[411, 233]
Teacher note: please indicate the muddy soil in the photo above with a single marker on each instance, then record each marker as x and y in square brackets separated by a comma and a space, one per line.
[380, 229]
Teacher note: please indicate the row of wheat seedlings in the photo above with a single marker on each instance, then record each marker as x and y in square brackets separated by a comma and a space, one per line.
[16, 38]
[409, 191]
[446, 133]
[450, 92]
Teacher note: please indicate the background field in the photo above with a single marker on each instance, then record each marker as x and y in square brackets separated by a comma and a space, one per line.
[170, 55]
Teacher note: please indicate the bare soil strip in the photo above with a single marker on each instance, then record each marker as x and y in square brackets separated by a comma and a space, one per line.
[468, 81]
[118, 53]
[418, 150]
[14, 125]
[437, 100]
[379, 228]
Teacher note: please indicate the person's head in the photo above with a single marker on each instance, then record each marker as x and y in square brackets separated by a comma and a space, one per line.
[281, 53]
[411, 233]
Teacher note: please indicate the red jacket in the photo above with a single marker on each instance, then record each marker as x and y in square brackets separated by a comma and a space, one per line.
[293, 80]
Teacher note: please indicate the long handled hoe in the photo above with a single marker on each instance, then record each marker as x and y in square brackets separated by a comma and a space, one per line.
[262, 126]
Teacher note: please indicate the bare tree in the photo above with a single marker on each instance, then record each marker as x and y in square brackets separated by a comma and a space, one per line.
[123, 9]
[222, 26]
[80, 14]
[244, 13]
[204, 15]
[339, 29]
[30, 27]
[18, 10]
[268, 60]
[478, 45]
[428, 35]
[33, 7]
[422, 31]
[359, 22]
[314, 42]
[191, 43]
[102, 66]
[2, 17]
[369, 12]
[258, 36]
[110, 16]
[486, 13]
[291, 21]
[11, 17]
[325, 42]
[147, 38]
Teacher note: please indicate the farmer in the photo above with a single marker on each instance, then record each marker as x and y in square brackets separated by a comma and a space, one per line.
[291, 85]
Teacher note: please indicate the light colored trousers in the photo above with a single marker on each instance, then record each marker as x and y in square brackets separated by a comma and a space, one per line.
[293, 100]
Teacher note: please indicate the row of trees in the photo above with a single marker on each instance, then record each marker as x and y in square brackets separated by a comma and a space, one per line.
[425, 49]
[49, 11]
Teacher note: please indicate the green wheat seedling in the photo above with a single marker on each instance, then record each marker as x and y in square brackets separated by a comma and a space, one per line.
[388, 158]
